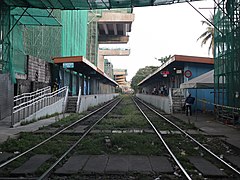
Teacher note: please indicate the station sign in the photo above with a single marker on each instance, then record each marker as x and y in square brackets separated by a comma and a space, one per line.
[187, 73]
[165, 72]
[68, 65]
[178, 71]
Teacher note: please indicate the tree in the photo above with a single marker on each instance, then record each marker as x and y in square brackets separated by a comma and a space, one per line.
[208, 34]
[140, 75]
[164, 59]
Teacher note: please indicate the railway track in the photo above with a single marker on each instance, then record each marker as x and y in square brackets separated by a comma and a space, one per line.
[204, 156]
[124, 139]
[88, 121]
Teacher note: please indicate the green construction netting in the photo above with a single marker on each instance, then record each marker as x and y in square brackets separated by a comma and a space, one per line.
[40, 17]
[5, 51]
[74, 33]
[19, 59]
[87, 5]
[227, 54]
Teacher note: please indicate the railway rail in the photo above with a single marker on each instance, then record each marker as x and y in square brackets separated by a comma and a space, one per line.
[129, 130]
[148, 111]
[89, 121]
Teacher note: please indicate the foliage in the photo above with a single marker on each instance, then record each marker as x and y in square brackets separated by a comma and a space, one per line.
[164, 59]
[140, 75]
[208, 34]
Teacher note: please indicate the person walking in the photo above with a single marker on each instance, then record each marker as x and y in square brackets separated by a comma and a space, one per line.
[188, 104]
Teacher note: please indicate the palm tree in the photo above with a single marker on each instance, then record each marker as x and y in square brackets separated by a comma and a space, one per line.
[208, 34]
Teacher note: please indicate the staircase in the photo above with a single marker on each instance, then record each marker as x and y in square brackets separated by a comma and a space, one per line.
[72, 104]
[178, 102]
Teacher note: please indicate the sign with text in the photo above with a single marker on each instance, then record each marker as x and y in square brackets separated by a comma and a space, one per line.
[165, 72]
[68, 65]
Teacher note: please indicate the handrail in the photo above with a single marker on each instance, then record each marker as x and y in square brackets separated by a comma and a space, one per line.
[45, 96]
[65, 99]
[29, 94]
[23, 98]
[34, 105]
[79, 97]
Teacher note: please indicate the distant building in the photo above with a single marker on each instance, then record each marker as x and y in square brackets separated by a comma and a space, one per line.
[120, 76]
[108, 68]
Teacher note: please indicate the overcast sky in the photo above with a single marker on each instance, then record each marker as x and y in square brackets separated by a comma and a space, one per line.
[161, 31]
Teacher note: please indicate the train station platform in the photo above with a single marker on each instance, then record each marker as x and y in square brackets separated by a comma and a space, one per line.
[7, 132]
[208, 124]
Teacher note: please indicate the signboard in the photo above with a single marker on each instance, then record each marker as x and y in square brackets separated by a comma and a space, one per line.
[179, 71]
[165, 72]
[68, 65]
[187, 73]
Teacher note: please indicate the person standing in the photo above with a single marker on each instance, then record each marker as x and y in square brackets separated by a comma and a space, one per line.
[188, 104]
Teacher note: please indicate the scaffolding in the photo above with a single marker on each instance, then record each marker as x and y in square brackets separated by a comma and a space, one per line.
[227, 60]
[43, 42]
[4, 39]
[227, 53]
[92, 36]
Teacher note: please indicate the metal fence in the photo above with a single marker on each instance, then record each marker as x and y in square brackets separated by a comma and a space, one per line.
[30, 107]
[22, 99]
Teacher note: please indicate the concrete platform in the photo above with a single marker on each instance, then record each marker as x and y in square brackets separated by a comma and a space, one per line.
[206, 167]
[115, 164]
[73, 165]
[5, 156]
[31, 165]
[161, 164]
[235, 160]
[7, 132]
[209, 125]
[139, 164]
[96, 164]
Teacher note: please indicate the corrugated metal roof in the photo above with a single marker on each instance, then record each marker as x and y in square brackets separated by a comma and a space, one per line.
[180, 58]
[81, 59]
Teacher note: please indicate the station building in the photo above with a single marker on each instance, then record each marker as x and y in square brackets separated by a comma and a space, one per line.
[168, 78]
[77, 71]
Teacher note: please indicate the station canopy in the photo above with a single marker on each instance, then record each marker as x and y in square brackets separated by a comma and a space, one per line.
[204, 81]
[88, 4]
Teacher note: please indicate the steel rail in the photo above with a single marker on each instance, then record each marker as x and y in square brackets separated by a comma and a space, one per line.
[189, 136]
[51, 137]
[164, 143]
[46, 173]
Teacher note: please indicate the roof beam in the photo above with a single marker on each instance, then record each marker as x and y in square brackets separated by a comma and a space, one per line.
[125, 27]
[105, 28]
[115, 29]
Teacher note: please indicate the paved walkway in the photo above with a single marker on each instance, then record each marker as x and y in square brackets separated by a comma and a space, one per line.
[7, 132]
[208, 124]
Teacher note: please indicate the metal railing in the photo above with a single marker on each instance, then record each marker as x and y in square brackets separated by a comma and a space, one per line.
[21, 99]
[78, 100]
[30, 107]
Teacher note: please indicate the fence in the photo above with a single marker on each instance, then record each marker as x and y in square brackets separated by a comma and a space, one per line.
[30, 107]
[22, 99]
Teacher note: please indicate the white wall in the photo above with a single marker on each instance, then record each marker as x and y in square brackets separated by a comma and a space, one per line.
[161, 102]
[57, 107]
[93, 100]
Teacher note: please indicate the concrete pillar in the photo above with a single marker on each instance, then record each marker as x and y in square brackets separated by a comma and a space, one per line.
[94, 86]
[82, 84]
[100, 64]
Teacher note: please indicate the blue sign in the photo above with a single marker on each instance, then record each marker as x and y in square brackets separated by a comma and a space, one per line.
[68, 65]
